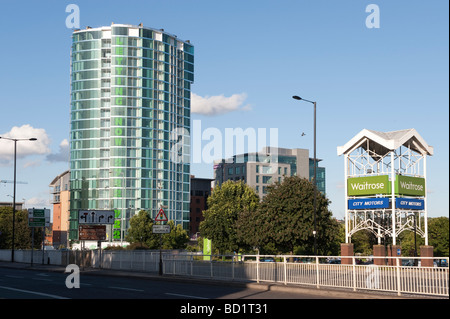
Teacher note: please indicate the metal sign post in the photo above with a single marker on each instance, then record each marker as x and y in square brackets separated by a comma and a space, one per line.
[43, 243]
[32, 245]
[161, 229]
[160, 255]
[38, 218]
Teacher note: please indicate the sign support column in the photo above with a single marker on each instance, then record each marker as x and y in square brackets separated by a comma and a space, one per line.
[425, 201]
[394, 235]
[32, 245]
[160, 255]
[346, 197]
[160, 217]
[43, 243]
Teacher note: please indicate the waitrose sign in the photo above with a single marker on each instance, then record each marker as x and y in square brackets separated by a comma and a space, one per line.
[406, 185]
[371, 185]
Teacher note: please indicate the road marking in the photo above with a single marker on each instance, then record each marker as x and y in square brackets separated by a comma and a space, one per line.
[186, 296]
[34, 292]
[43, 279]
[130, 289]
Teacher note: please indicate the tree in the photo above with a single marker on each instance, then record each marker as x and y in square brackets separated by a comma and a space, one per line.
[176, 239]
[140, 234]
[406, 240]
[22, 232]
[284, 221]
[438, 237]
[225, 205]
[140, 231]
[363, 242]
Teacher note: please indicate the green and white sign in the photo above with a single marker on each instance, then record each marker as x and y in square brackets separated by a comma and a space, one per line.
[372, 185]
[38, 217]
[407, 185]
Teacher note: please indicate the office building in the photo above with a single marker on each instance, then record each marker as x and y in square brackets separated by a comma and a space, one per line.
[257, 171]
[200, 191]
[19, 206]
[131, 89]
[61, 208]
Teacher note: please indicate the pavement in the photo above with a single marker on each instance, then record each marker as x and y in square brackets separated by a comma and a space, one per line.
[324, 292]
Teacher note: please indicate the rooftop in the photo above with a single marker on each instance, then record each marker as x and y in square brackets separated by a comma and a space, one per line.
[384, 142]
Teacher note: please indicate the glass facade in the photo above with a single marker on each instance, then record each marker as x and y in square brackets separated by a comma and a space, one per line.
[296, 164]
[130, 107]
[320, 173]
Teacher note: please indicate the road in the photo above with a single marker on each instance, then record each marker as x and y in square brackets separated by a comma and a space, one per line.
[32, 284]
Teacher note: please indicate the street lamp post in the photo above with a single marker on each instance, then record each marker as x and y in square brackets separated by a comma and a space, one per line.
[295, 97]
[14, 191]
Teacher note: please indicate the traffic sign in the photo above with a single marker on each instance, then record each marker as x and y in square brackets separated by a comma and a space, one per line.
[99, 217]
[161, 216]
[92, 232]
[161, 229]
[38, 217]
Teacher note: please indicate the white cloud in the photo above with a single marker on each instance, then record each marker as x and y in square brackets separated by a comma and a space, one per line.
[62, 155]
[37, 202]
[32, 164]
[219, 104]
[24, 148]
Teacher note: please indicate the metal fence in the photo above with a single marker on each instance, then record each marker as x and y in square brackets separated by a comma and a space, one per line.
[319, 272]
[137, 260]
[401, 275]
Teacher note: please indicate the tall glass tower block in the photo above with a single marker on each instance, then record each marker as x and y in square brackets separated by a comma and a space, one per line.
[130, 118]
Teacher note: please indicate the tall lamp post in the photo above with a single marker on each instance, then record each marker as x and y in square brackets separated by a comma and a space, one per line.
[14, 192]
[295, 97]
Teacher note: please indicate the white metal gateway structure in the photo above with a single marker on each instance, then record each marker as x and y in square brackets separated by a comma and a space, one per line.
[385, 180]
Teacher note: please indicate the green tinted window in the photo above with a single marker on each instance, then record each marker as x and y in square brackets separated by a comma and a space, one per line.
[144, 33]
[88, 45]
[119, 31]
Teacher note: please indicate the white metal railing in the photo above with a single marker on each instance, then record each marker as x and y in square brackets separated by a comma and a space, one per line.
[137, 260]
[401, 275]
[317, 271]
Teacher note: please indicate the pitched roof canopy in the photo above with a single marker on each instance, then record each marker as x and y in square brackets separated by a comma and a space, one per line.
[384, 142]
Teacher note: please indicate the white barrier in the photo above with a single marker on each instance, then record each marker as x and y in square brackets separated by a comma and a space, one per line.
[313, 271]
[50, 257]
[318, 271]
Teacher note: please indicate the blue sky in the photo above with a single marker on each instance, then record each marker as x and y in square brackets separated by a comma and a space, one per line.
[259, 52]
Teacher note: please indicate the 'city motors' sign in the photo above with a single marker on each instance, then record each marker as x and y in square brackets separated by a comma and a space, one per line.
[360, 186]
[368, 203]
[410, 203]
